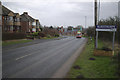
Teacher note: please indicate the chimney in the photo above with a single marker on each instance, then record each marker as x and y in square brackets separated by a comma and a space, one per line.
[26, 13]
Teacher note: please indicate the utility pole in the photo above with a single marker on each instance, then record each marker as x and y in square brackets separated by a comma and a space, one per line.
[85, 21]
[95, 13]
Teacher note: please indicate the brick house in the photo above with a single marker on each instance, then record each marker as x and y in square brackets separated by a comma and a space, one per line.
[25, 24]
[28, 23]
[10, 20]
[13, 22]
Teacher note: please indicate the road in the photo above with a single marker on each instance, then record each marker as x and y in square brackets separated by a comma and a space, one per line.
[42, 60]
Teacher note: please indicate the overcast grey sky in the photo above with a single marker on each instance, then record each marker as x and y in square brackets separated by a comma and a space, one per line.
[62, 12]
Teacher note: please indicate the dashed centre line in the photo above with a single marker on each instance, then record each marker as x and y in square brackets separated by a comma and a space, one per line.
[23, 56]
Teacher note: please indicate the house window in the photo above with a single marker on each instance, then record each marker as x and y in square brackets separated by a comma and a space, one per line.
[11, 28]
[34, 23]
[14, 28]
[5, 28]
[5, 18]
[29, 23]
[0, 17]
[11, 18]
[15, 19]
[18, 28]
[18, 19]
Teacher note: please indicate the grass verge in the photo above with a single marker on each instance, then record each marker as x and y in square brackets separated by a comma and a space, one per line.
[49, 37]
[89, 66]
[6, 43]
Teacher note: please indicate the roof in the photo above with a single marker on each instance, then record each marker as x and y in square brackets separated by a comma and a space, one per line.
[5, 10]
[30, 18]
[16, 14]
[26, 17]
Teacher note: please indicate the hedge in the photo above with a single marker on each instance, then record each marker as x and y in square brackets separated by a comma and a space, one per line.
[12, 36]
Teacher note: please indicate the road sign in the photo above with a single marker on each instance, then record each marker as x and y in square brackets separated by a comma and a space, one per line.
[105, 28]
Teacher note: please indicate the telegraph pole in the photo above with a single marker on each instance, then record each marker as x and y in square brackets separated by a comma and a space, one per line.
[95, 13]
[85, 21]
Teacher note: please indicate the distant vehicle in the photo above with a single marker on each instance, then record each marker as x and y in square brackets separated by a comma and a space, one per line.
[79, 35]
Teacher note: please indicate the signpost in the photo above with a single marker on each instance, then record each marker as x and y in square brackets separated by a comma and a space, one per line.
[111, 28]
[106, 28]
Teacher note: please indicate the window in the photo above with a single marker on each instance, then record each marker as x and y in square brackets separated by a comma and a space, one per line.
[15, 19]
[10, 18]
[7, 18]
[29, 23]
[18, 19]
[34, 23]
[0, 17]
[5, 28]
[11, 28]
[18, 28]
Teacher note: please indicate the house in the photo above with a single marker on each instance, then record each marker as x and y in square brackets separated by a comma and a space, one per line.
[26, 24]
[13, 22]
[29, 24]
[10, 21]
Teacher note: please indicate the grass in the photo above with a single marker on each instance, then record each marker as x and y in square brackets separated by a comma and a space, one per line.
[101, 67]
[6, 43]
[49, 37]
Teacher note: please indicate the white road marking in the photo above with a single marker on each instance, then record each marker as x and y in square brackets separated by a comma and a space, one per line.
[23, 56]
[33, 53]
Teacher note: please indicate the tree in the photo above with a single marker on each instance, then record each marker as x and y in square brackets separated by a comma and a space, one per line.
[51, 27]
[110, 21]
[69, 28]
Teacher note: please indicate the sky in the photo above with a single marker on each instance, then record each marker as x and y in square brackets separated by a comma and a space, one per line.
[63, 12]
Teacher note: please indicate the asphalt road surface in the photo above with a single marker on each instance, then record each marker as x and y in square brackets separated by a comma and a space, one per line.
[40, 60]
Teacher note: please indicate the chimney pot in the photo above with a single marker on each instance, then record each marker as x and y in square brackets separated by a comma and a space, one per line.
[25, 13]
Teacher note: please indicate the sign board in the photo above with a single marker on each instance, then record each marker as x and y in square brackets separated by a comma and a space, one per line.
[111, 28]
[105, 28]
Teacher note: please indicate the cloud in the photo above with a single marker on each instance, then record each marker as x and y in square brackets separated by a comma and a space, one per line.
[60, 12]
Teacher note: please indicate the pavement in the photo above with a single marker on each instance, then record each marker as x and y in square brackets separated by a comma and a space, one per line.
[41, 60]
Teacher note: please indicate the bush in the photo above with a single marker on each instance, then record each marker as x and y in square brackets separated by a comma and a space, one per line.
[35, 34]
[12, 36]
[48, 36]
[42, 34]
[57, 35]
[50, 32]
